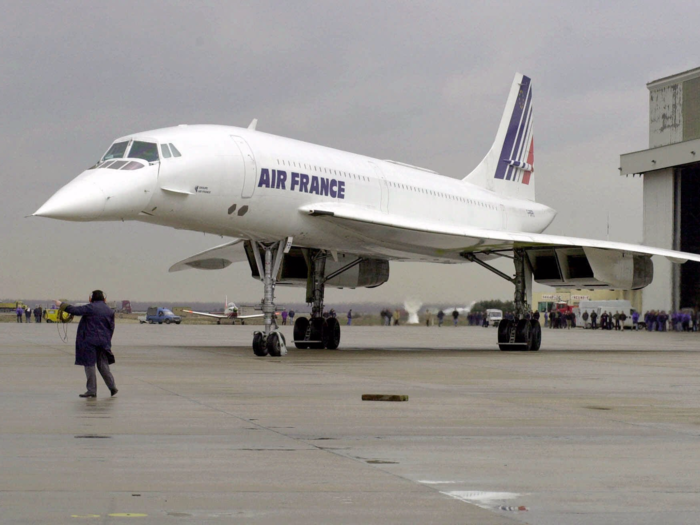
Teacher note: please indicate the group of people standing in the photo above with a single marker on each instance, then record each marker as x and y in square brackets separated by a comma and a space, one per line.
[660, 321]
[27, 312]
[389, 318]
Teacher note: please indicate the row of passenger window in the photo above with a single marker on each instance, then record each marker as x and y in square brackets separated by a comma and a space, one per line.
[340, 173]
[440, 194]
[319, 169]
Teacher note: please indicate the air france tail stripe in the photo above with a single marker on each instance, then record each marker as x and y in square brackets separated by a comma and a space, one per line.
[522, 125]
[524, 143]
[513, 126]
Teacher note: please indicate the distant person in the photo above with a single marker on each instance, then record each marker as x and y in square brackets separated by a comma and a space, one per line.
[28, 314]
[285, 314]
[623, 318]
[428, 318]
[440, 318]
[20, 313]
[546, 318]
[350, 317]
[397, 317]
[93, 341]
[585, 319]
[292, 313]
[455, 316]
[635, 320]
[37, 314]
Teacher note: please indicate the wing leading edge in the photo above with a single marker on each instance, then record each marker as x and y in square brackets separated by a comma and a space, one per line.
[423, 236]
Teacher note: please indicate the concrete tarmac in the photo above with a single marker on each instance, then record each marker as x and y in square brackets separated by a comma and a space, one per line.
[597, 427]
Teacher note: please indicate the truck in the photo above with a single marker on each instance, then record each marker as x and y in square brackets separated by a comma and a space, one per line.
[493, 317]
[159, 315]
[611, 306]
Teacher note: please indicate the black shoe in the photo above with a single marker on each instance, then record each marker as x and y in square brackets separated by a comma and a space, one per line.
[87, 394]
[114, 392]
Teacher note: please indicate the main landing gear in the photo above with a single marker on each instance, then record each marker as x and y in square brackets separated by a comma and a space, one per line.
[522, 332]
[270, 341]
[317, 332]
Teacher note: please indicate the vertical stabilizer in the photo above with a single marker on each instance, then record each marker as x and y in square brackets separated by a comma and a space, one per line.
[508, 167]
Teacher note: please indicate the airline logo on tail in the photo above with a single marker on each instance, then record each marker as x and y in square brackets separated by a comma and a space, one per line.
[518, 155]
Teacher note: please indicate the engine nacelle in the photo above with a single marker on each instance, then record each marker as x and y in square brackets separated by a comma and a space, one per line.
[294, 270]
[591, 268]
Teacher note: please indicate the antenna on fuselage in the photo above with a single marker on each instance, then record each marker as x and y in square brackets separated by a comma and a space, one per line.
[253, 124]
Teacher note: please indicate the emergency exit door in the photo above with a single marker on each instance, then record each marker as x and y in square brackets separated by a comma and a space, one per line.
[250, 170]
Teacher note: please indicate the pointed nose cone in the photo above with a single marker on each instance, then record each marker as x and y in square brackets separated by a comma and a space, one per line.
[76, 201]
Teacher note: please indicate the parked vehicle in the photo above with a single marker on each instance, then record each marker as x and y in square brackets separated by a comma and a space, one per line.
[158, 315]
[493, 317]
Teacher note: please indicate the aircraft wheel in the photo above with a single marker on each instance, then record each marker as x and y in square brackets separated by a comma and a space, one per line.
[504, 331]
[331, 335]
[300, 326]
[536, 335]
[259, 347]
[318, 329]
[274, 345]
[523, 335]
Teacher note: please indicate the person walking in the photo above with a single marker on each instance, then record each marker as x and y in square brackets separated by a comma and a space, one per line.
[93, 341]
[440, 318]
[350, 317]
[291, 315]
[397, 317]
[20, 313]
[285, 314]
[455, 316]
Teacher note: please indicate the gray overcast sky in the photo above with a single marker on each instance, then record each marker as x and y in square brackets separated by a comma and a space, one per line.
[423, 83]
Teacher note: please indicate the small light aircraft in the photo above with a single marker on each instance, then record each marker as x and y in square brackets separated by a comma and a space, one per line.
[231, 311]
[306, 215]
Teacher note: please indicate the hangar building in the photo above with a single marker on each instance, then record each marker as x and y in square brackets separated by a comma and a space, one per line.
[671, 174]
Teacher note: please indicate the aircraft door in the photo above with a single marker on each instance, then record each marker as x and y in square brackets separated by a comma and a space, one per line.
[384, 188]
[250, 169]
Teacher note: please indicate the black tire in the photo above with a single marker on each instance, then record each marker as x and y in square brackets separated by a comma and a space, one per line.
[259, 347]
[300, 326]
[523, 335]
[331, 334]
[167, 321]
[504, 331]
[178, 322]
[318, 329]
[536, 335]
[274, 347]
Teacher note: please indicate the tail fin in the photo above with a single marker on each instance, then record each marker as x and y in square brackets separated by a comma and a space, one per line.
[507, 168]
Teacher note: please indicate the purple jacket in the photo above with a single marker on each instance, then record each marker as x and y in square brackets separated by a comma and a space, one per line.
[94, 331]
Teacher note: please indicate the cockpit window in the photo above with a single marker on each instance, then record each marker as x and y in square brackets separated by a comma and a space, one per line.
[118, 164]
[147, 151]
[133, 165]
[116, 151]
[176, 153]
[166, 151]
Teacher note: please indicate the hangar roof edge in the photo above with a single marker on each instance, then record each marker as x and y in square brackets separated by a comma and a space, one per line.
[673, 79]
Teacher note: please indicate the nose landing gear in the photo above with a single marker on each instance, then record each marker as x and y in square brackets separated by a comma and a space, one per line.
[270, 341]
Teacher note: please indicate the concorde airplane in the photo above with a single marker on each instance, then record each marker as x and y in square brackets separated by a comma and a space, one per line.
[311, 216]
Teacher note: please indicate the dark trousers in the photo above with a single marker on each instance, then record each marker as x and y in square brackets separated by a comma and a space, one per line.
[19, 318]
[103, 367]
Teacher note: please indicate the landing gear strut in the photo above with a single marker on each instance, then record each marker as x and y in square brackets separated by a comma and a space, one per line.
[522, 332]
[317, 332]
[270, 341]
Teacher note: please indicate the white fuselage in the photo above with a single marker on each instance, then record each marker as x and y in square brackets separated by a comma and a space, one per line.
[237, 182]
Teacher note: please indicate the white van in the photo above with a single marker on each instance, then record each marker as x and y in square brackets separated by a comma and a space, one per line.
[599, 307]
[493, 317]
